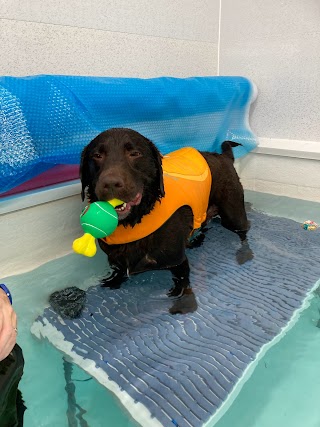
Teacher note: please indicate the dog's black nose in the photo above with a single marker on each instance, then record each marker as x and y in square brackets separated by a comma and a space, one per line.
[112, 181]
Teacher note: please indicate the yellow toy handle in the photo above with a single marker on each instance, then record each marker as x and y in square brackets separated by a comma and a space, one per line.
[115, 202]
[85, 245]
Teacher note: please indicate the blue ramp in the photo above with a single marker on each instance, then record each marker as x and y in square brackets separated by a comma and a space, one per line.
[183, 370]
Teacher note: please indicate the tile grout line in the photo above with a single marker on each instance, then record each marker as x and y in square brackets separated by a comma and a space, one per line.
[106, 31]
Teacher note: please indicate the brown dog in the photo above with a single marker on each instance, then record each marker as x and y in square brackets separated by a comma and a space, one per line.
[123, 164]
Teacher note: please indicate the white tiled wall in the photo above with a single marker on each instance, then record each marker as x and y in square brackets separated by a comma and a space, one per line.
[141, 38]
[277, 45]
[182, 19]
[274, 43]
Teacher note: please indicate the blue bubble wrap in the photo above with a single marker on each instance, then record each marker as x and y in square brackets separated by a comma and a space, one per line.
[47, 120]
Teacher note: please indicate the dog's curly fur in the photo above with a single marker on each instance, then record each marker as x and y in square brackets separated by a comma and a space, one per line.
[121, 163]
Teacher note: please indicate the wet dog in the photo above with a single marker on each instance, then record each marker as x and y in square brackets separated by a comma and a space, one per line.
[121, 163]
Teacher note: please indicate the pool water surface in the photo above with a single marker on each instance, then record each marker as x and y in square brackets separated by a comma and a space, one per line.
[282, 391]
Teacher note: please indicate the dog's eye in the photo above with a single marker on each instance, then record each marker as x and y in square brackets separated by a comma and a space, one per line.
[97, 156]
[134, 154]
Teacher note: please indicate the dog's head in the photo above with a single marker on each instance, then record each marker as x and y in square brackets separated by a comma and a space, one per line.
[123, 164]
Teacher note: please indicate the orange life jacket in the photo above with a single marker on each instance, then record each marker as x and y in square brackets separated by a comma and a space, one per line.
[187, 182]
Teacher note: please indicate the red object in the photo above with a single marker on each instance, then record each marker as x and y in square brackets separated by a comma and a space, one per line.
[55, 175]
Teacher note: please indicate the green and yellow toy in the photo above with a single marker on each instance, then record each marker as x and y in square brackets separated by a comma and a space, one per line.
[98, 220]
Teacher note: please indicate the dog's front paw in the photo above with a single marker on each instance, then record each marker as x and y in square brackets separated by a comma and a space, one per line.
[114, 281]
[186, 303]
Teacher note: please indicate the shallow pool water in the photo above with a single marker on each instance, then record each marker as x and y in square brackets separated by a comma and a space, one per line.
[282, 391]
[44, 380]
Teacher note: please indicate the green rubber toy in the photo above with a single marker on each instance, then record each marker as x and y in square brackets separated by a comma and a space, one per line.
[98, 220]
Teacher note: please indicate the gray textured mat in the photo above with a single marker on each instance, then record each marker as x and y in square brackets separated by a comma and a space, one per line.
[180, 369]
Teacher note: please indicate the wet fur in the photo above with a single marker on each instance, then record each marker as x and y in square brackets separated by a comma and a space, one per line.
[120, 162]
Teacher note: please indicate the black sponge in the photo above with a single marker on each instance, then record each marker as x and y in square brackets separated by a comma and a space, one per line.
[68, 302]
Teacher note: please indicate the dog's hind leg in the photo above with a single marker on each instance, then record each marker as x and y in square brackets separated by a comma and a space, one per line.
[245, 253]
[234, 218]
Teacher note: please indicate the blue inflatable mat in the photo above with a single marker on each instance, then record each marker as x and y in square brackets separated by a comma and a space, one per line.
[47, 120]
[184, 370]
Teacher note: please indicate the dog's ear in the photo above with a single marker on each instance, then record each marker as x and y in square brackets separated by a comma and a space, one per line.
[158, 160]
[84, 171]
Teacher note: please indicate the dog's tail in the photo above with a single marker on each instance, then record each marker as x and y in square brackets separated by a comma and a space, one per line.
[227, 148]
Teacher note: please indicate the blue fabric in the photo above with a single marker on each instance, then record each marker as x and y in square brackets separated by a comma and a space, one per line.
[184, 367]
[47, 120]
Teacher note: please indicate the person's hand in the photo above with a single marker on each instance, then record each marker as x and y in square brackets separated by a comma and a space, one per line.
[8, 326]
